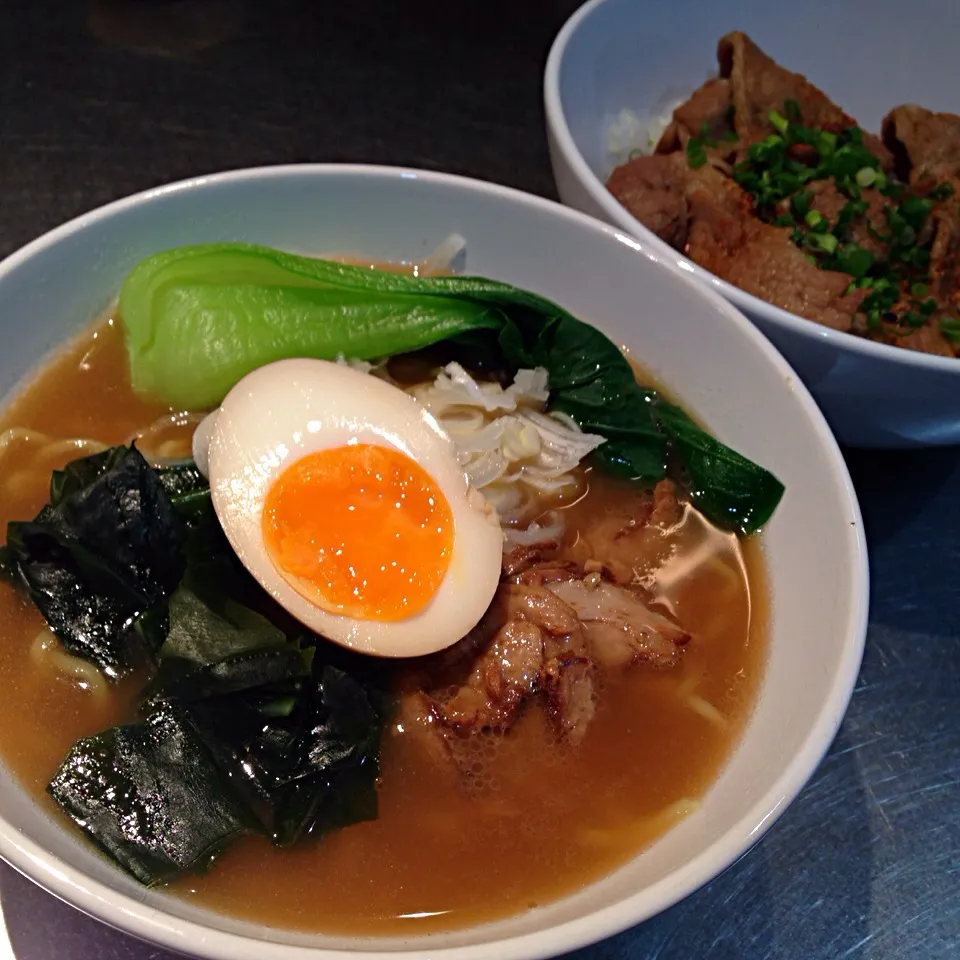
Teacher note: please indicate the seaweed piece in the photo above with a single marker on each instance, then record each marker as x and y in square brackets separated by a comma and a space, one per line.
[96, 614]
[258, 741]
[125, 517]
[101, 559]
[202, 636]
[309, 772]
[241, 730]
[149, 795]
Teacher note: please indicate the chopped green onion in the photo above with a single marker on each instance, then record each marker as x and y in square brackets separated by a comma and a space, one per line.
[849, 211]
[778, 122]
[800, 203]
[914, 211]
[879, 299]
[824, 241]
[916, 257]
[854, 260]
[950, 328]
[826, 142]
[776, 181]
[696, 154]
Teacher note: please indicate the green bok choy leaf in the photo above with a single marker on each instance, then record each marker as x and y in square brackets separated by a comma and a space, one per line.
[197, 319]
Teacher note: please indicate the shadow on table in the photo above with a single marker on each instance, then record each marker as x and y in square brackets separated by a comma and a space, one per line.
[803, 893]
[164, 29]
[894, 486]
[911, 505]
[41, 927]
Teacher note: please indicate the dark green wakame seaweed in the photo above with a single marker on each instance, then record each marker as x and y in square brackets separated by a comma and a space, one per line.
[243, 727]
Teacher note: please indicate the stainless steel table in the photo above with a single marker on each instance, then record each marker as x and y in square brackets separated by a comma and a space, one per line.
[102, 98]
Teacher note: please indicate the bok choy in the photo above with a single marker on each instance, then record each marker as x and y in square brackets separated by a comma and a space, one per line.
[197, 319]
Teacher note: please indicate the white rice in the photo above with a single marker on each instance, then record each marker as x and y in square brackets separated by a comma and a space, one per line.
[631, 135]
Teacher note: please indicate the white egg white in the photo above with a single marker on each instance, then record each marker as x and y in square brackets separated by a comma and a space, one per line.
[288, 409]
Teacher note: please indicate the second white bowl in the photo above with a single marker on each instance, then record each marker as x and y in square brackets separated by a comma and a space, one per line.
[616, 54]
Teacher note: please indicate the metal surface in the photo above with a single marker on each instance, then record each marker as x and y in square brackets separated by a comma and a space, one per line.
[103, 98]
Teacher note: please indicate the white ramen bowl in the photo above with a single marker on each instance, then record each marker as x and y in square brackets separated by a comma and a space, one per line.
[692, 341]
[648, 56]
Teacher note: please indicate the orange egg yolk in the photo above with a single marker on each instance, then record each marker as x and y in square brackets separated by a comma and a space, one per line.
[362, 530]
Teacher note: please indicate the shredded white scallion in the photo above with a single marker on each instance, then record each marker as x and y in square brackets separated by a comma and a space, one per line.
[511, 450]
[549, 527]
[361, 366]
[454, 387]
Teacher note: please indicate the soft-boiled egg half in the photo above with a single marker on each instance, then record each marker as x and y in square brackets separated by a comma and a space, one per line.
[344, 498]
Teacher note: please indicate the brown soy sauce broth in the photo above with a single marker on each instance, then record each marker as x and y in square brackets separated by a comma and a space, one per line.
[549, 817]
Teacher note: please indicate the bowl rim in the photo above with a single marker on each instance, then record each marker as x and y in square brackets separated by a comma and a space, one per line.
[133, 916]
[753, 306]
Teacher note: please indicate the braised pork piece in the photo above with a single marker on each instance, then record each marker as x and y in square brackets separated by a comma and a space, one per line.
[762, 180]
[562, 618]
